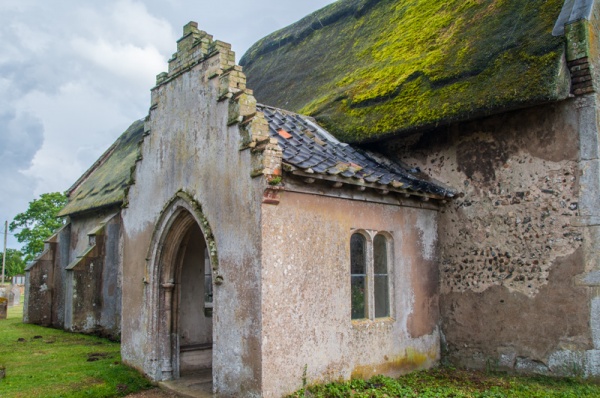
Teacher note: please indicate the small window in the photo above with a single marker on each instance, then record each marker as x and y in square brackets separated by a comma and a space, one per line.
[369, 276]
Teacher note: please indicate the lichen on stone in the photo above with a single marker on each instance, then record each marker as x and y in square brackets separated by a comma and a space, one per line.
[366, 69]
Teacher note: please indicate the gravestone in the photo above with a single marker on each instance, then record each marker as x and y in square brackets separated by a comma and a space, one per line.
[16, 291]
[3, 307]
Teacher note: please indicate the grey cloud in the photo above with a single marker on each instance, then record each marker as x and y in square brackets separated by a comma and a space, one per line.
[75, 73]
[22, 136]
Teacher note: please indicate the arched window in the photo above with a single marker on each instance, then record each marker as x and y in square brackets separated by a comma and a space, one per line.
[380, 276]
[358, 275]
[370, 275]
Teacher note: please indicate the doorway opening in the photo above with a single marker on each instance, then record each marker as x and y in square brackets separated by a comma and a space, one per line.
[183, 275]
[194, 303]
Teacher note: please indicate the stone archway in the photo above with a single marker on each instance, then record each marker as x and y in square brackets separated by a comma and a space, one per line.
[182, 270]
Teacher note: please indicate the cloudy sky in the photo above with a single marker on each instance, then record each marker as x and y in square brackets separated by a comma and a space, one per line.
[75, 73]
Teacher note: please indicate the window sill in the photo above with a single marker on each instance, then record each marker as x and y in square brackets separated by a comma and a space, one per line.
[368, 323]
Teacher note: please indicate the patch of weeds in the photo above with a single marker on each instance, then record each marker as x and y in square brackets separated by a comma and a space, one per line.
[456, 383]
[276, 180]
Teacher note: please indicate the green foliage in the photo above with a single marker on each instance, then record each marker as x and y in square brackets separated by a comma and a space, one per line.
[45, 362]
[446, 382]
[38, 222]
[369, 68]
[15, 264]
[275, 180]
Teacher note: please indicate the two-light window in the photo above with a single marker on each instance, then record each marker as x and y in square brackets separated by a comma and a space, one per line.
[370, 275]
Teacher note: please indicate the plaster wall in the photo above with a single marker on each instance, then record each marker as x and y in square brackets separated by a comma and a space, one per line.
[44, 285]
[110, 313]
[81, 226]
[191, 148]
[92, 284]
[512, 244]
[61, 260]
[306, 306]
[38, 296]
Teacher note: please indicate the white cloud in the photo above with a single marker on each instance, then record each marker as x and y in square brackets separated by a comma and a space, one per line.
[73, 139]
[75, 73]
[139, 65]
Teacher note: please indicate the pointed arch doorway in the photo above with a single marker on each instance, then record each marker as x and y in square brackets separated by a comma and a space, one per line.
[193, 303]
[183, 285]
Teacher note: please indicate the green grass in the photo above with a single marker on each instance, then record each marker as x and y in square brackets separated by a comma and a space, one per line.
[45, 362]
[446, 382]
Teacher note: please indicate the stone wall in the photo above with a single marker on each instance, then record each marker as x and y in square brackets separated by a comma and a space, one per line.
[92, 288]
[511, 244]
[44, 302]
[197, 159]
[308, 332]
[75, 283]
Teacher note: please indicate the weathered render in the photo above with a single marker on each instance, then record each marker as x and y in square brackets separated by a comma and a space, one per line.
[516, 135]
[307, 286]
[191, 171]
[223, 234]
[220, 231]
[226, 168]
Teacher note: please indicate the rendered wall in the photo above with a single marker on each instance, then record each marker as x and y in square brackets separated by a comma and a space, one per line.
[44, 279]
[306, 305]
[72, 287]
[193, 146]
[37, 303]
[92, 287]
[515, 245]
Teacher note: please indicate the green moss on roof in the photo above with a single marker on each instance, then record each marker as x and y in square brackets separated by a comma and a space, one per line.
[104, 184]
[368, 68]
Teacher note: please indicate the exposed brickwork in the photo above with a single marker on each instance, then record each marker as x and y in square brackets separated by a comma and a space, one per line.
[581, 76]
[581, 55]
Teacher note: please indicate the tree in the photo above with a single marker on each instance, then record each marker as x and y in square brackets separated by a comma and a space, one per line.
[38, 223]
[15, 264]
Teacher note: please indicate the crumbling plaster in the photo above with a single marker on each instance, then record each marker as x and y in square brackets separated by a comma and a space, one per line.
[192, 141]
[307, 326]
[513, 248]
[518, 181]
[92, 280]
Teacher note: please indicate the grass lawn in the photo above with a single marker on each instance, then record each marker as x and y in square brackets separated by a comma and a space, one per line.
[446, 382]
[45, 362]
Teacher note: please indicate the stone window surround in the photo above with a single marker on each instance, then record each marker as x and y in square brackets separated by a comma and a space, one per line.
[369, 235]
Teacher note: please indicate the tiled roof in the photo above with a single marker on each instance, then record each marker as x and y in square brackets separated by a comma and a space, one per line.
[310, 149]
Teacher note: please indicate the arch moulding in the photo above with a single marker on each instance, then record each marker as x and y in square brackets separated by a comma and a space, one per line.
[162, 262]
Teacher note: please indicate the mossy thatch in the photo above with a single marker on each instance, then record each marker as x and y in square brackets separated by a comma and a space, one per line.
[368, 68]
[103, 185]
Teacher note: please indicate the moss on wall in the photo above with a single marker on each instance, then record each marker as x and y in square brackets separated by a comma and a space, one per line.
[368, 68]
[106, 181]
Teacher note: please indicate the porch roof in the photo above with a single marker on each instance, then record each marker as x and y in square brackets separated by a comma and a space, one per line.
[311, 150]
